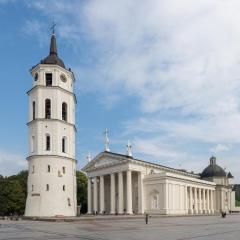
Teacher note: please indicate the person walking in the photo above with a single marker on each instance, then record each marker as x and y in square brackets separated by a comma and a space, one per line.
[146, 218]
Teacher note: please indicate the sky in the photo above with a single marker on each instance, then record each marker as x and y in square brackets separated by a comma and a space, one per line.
[164, 74]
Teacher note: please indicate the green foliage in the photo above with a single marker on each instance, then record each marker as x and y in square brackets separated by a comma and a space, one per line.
[237, 191]
[237, 203]
[82, 191]
[13, 193]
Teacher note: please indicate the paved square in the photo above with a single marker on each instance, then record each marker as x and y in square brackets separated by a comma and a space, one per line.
[165, 228]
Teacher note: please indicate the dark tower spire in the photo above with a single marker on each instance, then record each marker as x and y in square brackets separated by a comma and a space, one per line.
[53, 45]
[53, 58]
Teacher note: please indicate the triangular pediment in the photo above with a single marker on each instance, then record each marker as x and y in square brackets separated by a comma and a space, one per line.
[104, 159]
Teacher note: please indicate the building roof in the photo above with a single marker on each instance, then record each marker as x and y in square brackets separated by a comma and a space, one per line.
[53, 58]
[126, 157]
[213, 170]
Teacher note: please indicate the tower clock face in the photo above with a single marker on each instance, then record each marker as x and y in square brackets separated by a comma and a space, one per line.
[36, 76]
[63, 77]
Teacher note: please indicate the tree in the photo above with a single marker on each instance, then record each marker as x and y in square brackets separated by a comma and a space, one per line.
[13, 193]
[12, 198]
[82, 190]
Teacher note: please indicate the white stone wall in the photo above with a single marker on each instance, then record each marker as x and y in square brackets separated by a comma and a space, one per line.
[54, 201]
[60, 198]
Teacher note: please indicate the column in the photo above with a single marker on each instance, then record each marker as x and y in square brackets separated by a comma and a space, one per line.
[229, 200]
[102, 203]
[165, 197]
[129, 192]
[208, 205]
[89, 196]
[195, 201]
[200, 200]
[204, 201]
[112, 210]
[191, 199]
[95, 195]
[212, 208]
[120, 193]
[186, 200]
[140, 194]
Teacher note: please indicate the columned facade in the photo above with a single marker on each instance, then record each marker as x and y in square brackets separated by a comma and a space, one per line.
[123, 185]
[97, 198]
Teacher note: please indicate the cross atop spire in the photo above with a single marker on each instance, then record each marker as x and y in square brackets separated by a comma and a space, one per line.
[53, 27]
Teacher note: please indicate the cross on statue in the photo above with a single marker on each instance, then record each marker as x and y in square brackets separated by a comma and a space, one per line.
[53, 27]
[129, 149]
[89, 157]
[107, 149]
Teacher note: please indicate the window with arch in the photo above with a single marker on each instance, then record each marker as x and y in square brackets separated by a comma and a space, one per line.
[48, 143]
[33, 169]
[34, 110]
[47, 187]
[48, 79]
[32, 144]
[64, 170]
[64, 141]
[63, 187]
[48, 108]
[69, 202]
[49, 168]
[64, 111]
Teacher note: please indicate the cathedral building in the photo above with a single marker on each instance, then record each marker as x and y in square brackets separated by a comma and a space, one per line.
[121, 184]
[51, 160]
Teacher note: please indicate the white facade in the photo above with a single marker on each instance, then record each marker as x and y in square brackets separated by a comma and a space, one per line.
[120, 184]
[51, 160]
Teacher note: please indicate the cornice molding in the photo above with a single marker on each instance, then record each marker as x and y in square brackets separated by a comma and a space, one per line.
[51, 120]
[51, 155]
[52, 87]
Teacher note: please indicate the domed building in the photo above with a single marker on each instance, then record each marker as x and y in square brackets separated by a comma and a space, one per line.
[224, 196]
[122, 184]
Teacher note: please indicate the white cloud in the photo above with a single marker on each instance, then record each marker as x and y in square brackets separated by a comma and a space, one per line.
[11, 163]
[179, 59]
[221, 148]
[155, 148]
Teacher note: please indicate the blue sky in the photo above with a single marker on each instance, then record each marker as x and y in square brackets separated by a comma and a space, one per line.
[164, 74]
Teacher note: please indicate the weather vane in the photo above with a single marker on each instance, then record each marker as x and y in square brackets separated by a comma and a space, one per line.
[53, 27]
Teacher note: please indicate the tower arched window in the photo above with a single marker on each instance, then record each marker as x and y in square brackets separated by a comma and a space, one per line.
[48, 108]
[48, 79]
[32, 144]
[48, 143]
[33, 110]
[64, 111]
[64, 140]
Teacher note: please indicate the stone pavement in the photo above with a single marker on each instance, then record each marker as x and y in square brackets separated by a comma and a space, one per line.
[162, 228]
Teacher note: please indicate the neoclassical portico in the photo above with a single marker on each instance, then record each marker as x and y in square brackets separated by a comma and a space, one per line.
[120, 184]
[113, 193]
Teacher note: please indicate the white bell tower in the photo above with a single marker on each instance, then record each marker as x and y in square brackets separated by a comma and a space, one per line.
[51, 160]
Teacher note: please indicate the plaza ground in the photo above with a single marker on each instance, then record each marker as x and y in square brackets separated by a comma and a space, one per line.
[165, 228]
